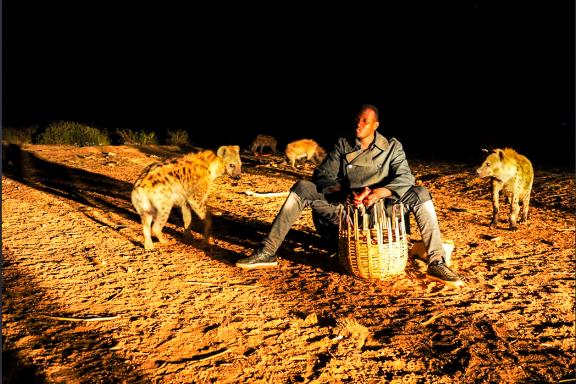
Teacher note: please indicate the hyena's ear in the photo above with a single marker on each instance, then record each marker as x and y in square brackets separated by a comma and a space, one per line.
[221, 151]
[500, 153]
[236, 148]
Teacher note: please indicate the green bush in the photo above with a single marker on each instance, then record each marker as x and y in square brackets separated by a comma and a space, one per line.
[179, 137]
[20, 135]
[131, 137]
[70, 132]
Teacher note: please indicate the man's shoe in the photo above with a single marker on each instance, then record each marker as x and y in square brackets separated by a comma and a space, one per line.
[260, 259]
[440, 272]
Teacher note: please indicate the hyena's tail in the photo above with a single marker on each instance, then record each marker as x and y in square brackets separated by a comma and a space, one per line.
[142, 203]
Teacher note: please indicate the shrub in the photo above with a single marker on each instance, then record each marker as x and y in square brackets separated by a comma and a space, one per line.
[20, 135]
[127, 136]
[137, 137]
[70, 132]
[179, 137]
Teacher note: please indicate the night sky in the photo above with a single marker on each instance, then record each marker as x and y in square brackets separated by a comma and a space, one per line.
[448, 78]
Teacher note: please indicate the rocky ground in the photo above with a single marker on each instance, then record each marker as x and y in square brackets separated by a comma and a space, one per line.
[83, 302]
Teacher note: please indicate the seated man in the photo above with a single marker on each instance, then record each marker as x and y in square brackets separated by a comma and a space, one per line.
[369, 163]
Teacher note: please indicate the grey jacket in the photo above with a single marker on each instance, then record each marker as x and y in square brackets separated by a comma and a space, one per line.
[383, 164]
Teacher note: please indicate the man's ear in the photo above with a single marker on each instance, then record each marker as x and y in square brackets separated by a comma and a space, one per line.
[377, 125]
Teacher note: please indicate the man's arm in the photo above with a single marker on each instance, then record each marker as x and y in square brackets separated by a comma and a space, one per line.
[325, 176]
[375, 195]
[400, 177]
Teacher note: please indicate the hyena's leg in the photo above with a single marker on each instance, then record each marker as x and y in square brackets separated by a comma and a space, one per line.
[514, 210]
[160, 222]
[202, 211]
[146, 223]
[496, 187]
[187, 218]
[207, 227]
[525, 207]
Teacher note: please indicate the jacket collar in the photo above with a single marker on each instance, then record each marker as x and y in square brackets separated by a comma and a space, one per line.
[379, 142]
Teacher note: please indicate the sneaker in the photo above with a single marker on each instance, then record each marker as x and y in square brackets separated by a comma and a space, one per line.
[260, 259]
[440, 272]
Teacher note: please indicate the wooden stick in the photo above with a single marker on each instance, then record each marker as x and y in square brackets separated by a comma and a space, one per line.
[301, 357]
[403, 229]
[558, 194]
[210, 356]
[432, 319]
[267, 194]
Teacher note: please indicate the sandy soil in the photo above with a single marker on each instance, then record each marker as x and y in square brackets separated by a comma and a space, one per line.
[84, 303]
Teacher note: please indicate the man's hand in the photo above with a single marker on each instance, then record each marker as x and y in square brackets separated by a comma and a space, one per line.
[369, 197]
[356, 197]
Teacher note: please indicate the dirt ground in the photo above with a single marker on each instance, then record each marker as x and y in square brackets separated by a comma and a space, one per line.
[84, 303]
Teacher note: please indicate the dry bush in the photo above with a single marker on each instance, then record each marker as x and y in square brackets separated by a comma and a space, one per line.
[73, 133]
[19, 135]
[131, 137]
[179, 137]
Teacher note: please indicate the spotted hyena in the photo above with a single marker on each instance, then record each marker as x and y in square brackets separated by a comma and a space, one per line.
[512, 173]
[262, 141]
[304, 149]
[184, 181]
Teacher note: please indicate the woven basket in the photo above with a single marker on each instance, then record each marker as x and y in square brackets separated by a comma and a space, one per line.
[372, 245]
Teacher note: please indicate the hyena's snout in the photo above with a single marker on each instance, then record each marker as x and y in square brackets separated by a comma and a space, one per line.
[483, 172]
[234, 171]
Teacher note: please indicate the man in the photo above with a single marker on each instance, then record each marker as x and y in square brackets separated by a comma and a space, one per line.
[361, 170]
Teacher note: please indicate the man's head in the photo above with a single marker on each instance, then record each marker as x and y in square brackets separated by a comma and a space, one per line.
[366, 122]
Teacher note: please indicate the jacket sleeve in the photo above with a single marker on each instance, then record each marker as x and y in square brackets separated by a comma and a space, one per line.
[400, 178]
[326, 174]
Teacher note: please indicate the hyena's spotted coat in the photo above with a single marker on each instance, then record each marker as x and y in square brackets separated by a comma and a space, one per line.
[185, 182]
[304, 149]
[513, 174]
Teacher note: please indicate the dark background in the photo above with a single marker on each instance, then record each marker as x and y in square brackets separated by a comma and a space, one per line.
[449, 78]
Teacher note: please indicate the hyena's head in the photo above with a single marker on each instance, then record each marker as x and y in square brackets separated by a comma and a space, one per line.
[230, 156]
[492, 164]
[320, 154]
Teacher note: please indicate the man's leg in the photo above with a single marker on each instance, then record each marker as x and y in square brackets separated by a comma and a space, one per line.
[419, 201]
[303, 194]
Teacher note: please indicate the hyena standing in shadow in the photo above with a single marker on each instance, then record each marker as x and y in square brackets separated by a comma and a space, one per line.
[262, 141]
[512, 173]
[184, 181]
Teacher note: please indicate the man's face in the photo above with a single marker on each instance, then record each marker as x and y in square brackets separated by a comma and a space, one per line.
[366, 124]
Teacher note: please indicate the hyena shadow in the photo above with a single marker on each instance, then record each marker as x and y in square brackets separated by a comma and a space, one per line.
[84, 187]
[89, 190]
[109, 195]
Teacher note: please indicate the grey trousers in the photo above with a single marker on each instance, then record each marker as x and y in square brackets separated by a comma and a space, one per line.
[304, 194]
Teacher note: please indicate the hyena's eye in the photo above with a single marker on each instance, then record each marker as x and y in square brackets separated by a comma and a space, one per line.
[232, 165]
[487, 164]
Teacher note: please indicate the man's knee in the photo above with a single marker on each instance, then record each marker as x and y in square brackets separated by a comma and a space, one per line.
[304, 189]
[418, 195]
